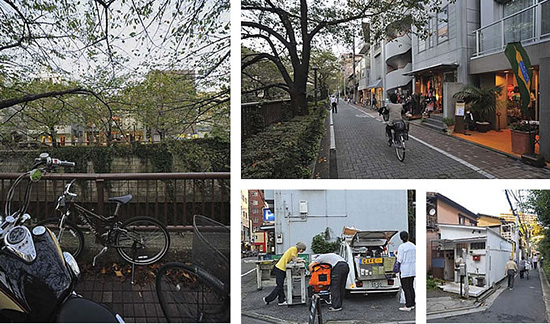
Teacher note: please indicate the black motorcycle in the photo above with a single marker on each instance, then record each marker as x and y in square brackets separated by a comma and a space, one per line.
[37, 279]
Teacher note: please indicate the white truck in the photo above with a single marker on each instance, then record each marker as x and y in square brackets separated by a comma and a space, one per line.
[370, 263]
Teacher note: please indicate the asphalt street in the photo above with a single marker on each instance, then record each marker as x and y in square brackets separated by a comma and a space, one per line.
[523, 304]
[365, 309]
[362, 152]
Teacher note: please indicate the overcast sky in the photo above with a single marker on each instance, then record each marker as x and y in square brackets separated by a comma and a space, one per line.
[479, 199]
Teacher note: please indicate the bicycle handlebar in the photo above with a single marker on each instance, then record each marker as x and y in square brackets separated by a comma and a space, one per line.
[43, 160]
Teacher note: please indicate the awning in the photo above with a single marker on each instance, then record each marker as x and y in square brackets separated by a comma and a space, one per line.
[462, 240]
[438, 67]
[376, 84]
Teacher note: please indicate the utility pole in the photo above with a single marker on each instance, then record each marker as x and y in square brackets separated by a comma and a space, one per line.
[354, 76]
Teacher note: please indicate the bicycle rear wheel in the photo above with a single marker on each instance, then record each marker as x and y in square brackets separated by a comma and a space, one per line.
[400, 147]
[70, 237]
[142, 240]
[188, 294]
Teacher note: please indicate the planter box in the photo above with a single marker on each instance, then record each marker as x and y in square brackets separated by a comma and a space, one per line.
[522, 142]
[483, 127]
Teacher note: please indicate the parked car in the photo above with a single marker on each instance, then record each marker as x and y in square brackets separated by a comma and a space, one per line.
[370, 263]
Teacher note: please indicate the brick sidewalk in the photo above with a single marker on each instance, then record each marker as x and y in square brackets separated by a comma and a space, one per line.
[136, 304]
[358, 152]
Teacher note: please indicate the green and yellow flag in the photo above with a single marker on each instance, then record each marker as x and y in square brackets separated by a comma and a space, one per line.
[521, 65]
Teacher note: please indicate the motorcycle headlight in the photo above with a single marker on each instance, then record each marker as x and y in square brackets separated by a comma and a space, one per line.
[71, 262]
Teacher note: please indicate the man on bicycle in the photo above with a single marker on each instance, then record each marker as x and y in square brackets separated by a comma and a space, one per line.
[395, 111]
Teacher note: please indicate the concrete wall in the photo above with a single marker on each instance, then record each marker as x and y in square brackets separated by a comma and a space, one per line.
[449, 103]
[446, 214]
[499, 62]
[499, 251]
[460, 45]
[365, 209]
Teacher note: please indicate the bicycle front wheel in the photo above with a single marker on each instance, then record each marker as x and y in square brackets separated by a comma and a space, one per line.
[142, 240]
[400, 147]
[188, 294]
[70, 237]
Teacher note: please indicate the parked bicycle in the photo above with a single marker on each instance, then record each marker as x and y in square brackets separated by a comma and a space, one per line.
[140, 240]
[400, 134]
[198, 292]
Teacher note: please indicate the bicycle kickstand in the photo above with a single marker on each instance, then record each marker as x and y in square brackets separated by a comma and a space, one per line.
[103, 250]
[133, 267]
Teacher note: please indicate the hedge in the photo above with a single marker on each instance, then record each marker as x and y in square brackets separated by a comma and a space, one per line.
[284, 150]
[198, 155]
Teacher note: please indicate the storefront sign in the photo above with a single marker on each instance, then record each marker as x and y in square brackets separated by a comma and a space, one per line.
[459, 111]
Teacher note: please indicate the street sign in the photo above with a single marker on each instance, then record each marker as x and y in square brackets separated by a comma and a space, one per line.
[268, 215]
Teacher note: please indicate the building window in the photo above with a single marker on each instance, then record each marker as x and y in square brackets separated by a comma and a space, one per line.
[462, 220]
[421, 45]
[255, 203]
[443, 25]
[255, 210]
[430, 31]
[477, 246]
[254, 194]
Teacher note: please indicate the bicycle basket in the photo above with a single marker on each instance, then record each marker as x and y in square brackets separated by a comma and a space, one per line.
[320, 275]
[399, 125]
[211, 247]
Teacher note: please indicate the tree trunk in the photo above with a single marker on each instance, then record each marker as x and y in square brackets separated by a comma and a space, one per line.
[298, 100]
[298, 93]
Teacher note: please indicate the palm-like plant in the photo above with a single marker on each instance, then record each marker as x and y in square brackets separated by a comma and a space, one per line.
[481, 100]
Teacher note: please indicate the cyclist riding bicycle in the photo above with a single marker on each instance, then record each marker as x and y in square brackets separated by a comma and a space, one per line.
[395, 111]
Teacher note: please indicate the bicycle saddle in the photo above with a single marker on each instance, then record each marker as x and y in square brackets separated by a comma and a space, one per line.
[121, 200]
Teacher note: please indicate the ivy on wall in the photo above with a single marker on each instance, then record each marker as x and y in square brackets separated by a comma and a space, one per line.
[199, 155]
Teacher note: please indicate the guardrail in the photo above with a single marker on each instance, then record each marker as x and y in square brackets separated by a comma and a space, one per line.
[172, 198]
[529, 25]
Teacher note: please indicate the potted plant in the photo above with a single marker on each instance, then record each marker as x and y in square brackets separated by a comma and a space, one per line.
[523, 137]
[450, 123]
[482, 101]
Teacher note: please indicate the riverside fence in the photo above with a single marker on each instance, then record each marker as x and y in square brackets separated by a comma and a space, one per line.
[172, 198]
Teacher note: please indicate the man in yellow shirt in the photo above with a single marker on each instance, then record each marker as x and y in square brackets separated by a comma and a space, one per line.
[280, 273]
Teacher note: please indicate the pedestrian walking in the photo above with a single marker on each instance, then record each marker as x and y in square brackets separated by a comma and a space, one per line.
[406, 256]
[522, 264]
[535, 261]
[510, 270]
[334, 104]
[280, 273]
[338, 277]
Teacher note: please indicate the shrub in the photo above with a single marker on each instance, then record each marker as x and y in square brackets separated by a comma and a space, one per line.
[320, 245]
[448, 121]
[284, 150]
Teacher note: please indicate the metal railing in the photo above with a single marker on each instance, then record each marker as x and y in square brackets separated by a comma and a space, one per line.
[172, 198]
[529, 25]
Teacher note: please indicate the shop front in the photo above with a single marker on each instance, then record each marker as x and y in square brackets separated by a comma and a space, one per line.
[375, 93]
[429, 86]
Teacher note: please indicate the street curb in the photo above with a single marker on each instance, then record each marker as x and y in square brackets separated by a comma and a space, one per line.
[266, 318]
[511, 156]
[545, 292]
[483, 306]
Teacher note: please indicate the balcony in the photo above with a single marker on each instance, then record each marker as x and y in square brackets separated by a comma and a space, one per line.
[397, 47]
[530, 25]
[396, 79]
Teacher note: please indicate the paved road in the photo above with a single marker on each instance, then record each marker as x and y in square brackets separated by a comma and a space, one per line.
[364, 309]
[362, 152]
[523, 304]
